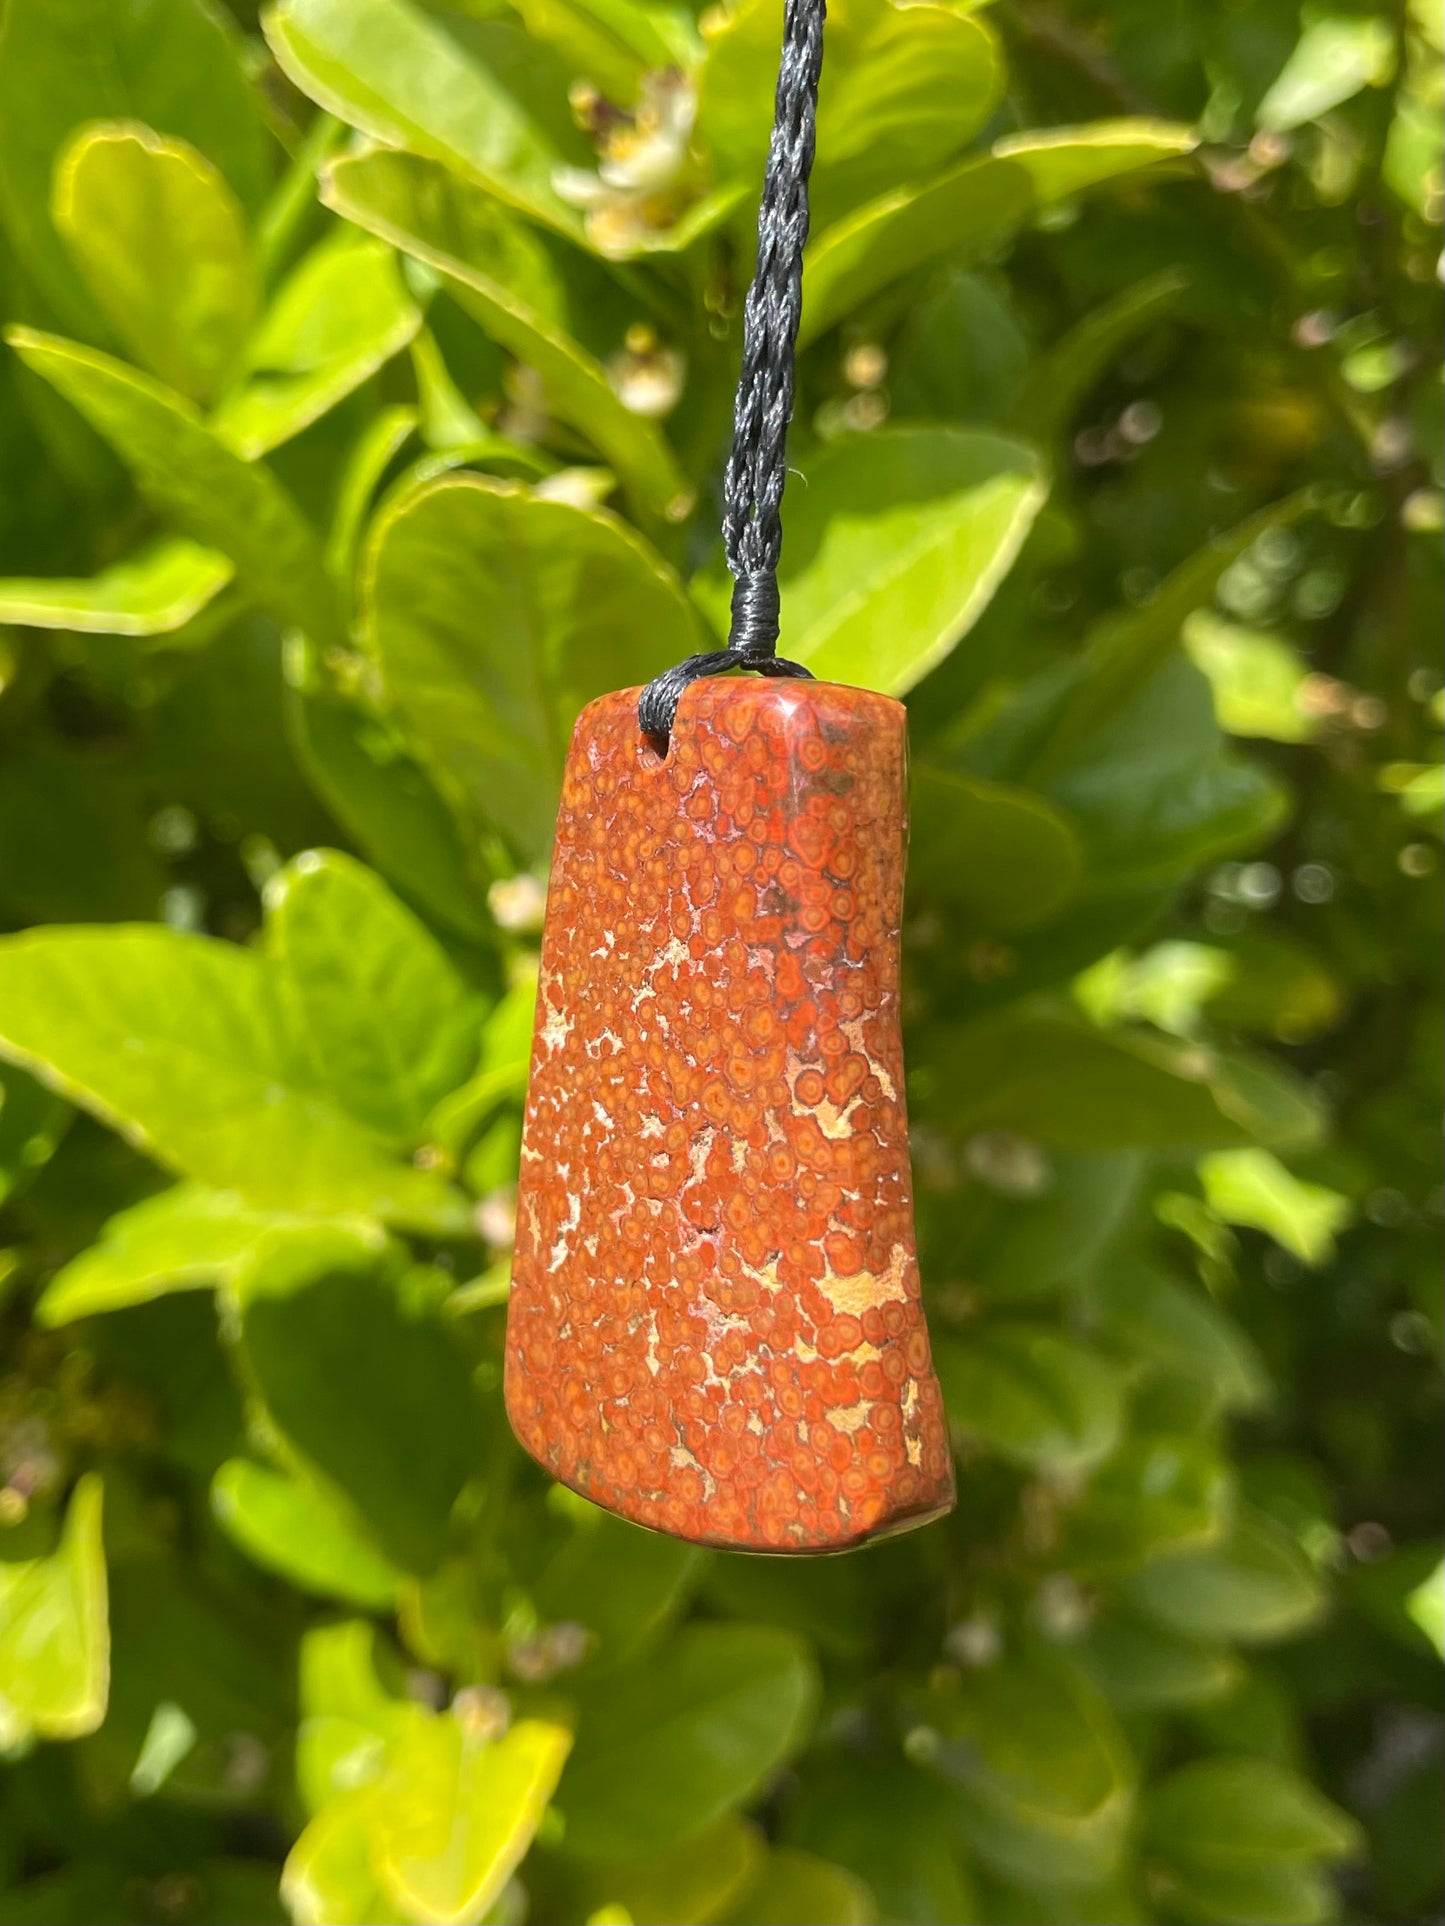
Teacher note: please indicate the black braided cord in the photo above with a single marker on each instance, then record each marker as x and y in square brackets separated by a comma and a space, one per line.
[757, 467]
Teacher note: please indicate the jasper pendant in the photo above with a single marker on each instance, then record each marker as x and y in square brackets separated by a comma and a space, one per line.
[715, 1327]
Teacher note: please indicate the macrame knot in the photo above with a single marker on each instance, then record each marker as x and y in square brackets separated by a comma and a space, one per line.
[754, 630]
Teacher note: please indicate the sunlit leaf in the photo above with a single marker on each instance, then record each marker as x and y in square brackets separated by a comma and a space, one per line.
[392, 70]
[575, 603]
[152, 593]
[1252, 1187]
[977, 203]
[181, 1043]
[160, 241]
[388, 1024]
[291, 1530]
[54, 1635]
[523, 292]
[176, 65]
[457, 1810]
[194, 480]
[339, 316]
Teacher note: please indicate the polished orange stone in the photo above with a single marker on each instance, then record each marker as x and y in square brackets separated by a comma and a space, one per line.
[715, 1326]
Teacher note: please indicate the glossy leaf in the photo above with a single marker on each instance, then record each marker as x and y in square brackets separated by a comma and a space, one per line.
[621, 1583]
[389, 1025]
[1254, 1586]
[341, 314]
[1055, 1081]
[529, 299]
[160, 241]
[900, 94]
[33, 1121]
[1139, 1667]
[666, 1749]
[799, 1889]
[1252, 1187]
[457, 1809]
[897, 1828]
[193, 479]
[974, 204]
[54, 1633]
[1000, 856]
[176, 65]
[383, 798]
[154, 592]
[1258, 679]
[691, 1884]
[292, 1531]
[367, 1383]
[391, 70]
[1156, 1496]
[1046, 1775]
[328, 1879]
[1177, 1329]
[896, 542]
[180, 1043]
[184, 1239]
[1037, 1399]
[576, 605]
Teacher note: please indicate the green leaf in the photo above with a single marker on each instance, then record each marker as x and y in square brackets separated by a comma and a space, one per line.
[1036, 1398]
[612, 42]
[1425, 1606]
[328, 1878]
[389, 69]
[1253, 1188]
[338, 317]
[1058, 1082]
[1046, 1774]
[1256, 677]
[1156, 1495]
[54, 1634]
[1152, 791]
[620, 1582]
[1335, 57]
[576, 604]
[1001, 857]
[895, 1826]
[368, 1384]
[389, 1025]
[973, 205]
[896, 543]
[799, 1889]
[386, 802]
[457, 1810]
[903, 89]
[691, 1884]
[1174, 1328]
[33, 1121]
[176, 65]
[1225, 1812]
[1124, 653]
[181, 1043]
[1062, 379]
[185, 1239]
[1139, 1667]
[160, 241]
[348, 1718]
[153, 592]
[1290, 1893]
[529, 295]
[1254, 1586]
[669, 1747]
[191, 477]
[292, 1531]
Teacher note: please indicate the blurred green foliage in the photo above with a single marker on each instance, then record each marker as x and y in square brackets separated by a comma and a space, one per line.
[368, 382]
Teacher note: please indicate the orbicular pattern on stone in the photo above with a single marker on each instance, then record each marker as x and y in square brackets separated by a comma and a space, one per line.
[715, 1326]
